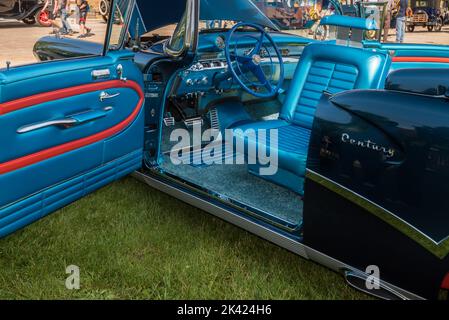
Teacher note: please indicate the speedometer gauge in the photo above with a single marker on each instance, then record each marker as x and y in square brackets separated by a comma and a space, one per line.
[220, 42]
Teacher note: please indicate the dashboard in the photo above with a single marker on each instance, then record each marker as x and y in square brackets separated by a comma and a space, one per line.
[195, 86]
[209, 70]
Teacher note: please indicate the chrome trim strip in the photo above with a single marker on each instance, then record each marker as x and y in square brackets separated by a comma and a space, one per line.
[363, 277]
[343, 268]
[261, 231]
[439, 249]
[191, 31]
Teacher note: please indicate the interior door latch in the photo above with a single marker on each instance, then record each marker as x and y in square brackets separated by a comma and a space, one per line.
[120, 73]
[104, 96]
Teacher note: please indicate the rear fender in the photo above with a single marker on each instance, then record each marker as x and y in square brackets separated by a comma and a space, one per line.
[377, 190]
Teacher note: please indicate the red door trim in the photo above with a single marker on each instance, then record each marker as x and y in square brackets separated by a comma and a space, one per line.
[421, 59]
[30, 101]
[28, 160]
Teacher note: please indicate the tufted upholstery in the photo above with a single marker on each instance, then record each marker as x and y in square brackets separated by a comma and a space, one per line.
[323, 76]
[333, 68]
[323, 67]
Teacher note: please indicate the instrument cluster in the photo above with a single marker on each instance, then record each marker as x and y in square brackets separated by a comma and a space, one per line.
[200, 76]
[208, 65]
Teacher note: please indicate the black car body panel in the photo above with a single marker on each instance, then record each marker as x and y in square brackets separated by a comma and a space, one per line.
[431, 82]
[52, 48]
[386, 166]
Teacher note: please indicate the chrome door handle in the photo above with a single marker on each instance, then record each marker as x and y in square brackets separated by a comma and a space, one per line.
[61, 122]
[104, 96]
[71, 121]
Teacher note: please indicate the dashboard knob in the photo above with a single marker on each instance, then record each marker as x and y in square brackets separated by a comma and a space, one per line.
[189, 82]
[205, 80]
[199, 66]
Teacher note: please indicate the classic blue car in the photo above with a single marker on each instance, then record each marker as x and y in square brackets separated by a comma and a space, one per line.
[337, 151]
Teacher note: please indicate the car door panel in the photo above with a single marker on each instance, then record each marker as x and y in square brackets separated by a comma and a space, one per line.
[46, 168]
[117, 114]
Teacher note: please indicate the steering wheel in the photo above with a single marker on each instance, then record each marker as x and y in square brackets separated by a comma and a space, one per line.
[240, 64]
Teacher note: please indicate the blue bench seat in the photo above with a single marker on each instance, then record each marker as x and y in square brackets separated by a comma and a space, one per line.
[323, 67]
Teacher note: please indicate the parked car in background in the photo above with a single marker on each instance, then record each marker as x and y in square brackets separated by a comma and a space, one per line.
[28, 11]
[432, 14]
[103, 8]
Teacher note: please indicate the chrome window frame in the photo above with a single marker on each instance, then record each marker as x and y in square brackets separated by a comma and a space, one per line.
[191, 36]
[130, 8]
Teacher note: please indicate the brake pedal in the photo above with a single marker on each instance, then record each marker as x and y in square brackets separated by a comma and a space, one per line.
[191, 122]
[169, 121]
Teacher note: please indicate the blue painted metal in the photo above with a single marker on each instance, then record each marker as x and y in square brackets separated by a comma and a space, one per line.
[207, 40]
[434, 82]
[39, 205]
[350, 22]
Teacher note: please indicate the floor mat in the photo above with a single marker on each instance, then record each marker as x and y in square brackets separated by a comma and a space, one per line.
[195, 156]
[236, 183]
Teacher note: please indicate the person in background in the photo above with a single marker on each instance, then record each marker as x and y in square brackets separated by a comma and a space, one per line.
[387, 22]
[83, 6]
[400, 21]
[51, 6]
[63, 12]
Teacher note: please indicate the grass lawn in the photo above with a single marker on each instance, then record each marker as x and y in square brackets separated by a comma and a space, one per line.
[133, 242]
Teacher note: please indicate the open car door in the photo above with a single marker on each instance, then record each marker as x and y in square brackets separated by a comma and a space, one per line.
[68, 128]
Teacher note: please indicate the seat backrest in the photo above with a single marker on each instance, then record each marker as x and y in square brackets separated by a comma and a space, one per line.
[331, 68]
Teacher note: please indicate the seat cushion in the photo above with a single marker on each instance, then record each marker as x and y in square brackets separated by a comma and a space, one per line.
[291, 147]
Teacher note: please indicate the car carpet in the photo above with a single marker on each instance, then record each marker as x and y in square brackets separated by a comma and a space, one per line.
[236, 183]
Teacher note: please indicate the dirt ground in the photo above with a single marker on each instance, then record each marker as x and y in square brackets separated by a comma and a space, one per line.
[17, 39]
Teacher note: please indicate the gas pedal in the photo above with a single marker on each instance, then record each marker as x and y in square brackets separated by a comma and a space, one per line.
[214, 119]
